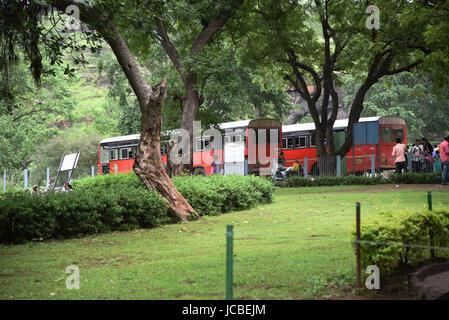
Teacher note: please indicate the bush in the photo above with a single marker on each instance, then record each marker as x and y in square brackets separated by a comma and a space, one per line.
[220, 194]
[417, 228]
[404, 178]
[122, 202]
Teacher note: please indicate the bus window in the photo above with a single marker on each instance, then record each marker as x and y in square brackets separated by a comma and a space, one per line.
[199, 144]
[386, 134]
[284, 143]
[300, 142]
[290, 143]
[207, 144]
[132, 152]
[104, 155]
[113, 154]
[398, 132]
[227, 139]
[312, 139]
[124, 153]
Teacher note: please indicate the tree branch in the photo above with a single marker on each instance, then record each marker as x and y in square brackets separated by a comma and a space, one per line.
[208, 32]
[169, 47]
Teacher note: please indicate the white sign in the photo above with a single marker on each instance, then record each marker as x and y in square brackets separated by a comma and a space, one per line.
[234, 152]
[69, 161]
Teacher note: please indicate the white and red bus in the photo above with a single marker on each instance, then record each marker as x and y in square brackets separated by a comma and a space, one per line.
[117, 154]
[372, 136]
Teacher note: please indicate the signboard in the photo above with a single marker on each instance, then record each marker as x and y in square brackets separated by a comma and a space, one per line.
[69, 161]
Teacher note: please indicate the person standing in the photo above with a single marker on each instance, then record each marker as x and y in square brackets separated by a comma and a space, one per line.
[416, 156]
[281, 162]
[213, 165]
[428, 159]
[444, 155]
[398, 155]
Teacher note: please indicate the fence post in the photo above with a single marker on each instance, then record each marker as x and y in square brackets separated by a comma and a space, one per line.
[217, 167]
[48, 176]
[373, 166]
[409, 162]
[4, 180]
[431, 236]
[245, 169]
[25, 175]
[229, 261]
[338, 165]
[358, 260]
[115, 168]
[306, 170]
[92, 171]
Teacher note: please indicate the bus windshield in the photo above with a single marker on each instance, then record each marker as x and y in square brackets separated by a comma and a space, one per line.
[104, 155]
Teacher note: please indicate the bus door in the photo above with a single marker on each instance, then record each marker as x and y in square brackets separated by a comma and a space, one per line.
[262, 152]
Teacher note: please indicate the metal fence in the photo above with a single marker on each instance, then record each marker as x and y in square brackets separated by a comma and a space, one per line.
[361, 165]
[40, 177]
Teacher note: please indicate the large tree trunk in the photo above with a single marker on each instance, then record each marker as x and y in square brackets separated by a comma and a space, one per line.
[148, 165]
[190, 112]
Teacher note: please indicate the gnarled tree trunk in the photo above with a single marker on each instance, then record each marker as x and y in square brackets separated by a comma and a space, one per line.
[148, 165]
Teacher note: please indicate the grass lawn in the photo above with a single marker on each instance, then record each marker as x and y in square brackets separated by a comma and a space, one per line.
[293, 248]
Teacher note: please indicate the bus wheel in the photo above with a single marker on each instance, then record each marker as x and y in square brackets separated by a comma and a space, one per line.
[315, 170]
[199, 172]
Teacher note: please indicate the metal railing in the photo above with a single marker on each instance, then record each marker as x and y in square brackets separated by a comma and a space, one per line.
[41, 177]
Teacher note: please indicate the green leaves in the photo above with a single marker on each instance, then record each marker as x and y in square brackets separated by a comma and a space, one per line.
[394, 229]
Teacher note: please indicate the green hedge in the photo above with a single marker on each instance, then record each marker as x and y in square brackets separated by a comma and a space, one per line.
[110, 203]
[219, 194]
[412, 227]
[404, 178]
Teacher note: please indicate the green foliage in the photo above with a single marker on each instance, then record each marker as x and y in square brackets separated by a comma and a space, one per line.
[412, 96]
[404, 178]
[49, 153]
[220, 194]
[393, 229]
[108, 203]
[72, 214]
[25, 113]
[415, 178]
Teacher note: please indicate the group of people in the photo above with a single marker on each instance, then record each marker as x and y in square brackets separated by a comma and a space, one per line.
[66, 188]
[424, 156]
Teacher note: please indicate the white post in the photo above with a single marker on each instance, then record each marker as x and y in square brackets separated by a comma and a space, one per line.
[25, 175]
[92, 171]
[4, 180]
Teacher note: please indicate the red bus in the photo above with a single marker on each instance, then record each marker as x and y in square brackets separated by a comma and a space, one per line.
[372, 136]
[117, 154]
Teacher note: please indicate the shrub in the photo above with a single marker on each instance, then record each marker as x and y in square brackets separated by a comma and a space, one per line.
[122, 202]
[220, 194]
[404, 178]
[416, 228]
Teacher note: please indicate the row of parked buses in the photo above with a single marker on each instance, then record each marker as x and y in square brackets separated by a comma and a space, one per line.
[373, 136]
